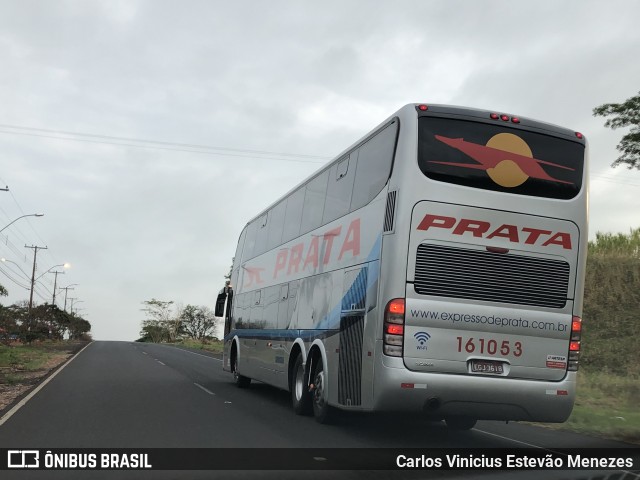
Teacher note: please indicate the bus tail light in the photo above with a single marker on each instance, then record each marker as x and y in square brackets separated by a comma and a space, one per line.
[394, 327]
[574, 344]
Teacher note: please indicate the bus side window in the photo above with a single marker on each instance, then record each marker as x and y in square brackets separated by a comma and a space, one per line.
[293, 294]
[293, 216]
[250, 241]
[283, 307]
[271, 304]
[340, 188]
[261, 236]
[257, 311]
[276, 223]
[375, 158]
[239, 319]
[314, 202]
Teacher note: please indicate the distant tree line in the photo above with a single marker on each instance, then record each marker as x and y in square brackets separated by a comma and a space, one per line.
[46, 321]
[166, 322]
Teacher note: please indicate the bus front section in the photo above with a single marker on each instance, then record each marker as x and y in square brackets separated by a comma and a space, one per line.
[489, 325]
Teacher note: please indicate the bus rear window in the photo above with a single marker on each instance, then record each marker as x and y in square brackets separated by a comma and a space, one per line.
[495, 157]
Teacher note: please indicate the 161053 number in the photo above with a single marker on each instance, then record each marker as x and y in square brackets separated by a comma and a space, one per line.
[490, 346]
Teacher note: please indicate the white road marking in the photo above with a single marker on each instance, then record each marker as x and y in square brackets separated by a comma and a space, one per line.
[514, 440]
[199, 354]
[24, 401]
[160, 362]
[145, 353]
[203, 388]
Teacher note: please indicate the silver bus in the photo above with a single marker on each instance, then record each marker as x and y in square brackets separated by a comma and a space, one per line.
[436, 265]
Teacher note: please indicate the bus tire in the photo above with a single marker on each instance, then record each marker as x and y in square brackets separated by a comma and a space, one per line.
[461, 423]
[300, 396]
[240, 380]
[322, 411]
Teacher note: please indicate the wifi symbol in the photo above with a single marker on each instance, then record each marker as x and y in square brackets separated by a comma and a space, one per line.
[422, 337]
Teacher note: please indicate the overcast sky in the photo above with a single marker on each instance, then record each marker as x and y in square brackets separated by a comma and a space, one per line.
[88, 89]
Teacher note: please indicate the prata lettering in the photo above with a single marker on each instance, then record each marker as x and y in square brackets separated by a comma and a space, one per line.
[292, 260]
[482, 229]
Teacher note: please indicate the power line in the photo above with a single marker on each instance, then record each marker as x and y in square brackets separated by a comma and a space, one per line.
[13, 279]
[157, 142]
[612, 180]
[172, 146]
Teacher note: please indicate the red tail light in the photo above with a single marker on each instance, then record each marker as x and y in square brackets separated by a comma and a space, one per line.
[396, 306]
[574, 344]
[394, 328]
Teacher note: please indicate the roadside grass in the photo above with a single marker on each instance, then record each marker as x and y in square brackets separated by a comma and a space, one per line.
[18, 361]
[606, 406]
[214, 346]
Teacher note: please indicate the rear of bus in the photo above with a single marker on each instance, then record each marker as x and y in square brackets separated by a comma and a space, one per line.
[486, 324]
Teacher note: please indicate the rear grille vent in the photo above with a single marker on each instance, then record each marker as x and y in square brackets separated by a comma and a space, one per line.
[493, 277]
[391, 208]
[350, 360]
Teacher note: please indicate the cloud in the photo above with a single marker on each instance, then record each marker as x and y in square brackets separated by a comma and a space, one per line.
[142, 220]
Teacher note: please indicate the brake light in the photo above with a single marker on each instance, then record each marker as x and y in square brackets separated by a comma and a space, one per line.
[396, 306]
[574, 344]
[394, 328]
[424, 108]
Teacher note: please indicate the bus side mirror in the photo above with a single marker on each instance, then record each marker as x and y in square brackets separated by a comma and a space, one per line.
[219, 310]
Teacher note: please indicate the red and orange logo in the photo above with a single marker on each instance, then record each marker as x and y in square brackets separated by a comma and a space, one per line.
[506, 158]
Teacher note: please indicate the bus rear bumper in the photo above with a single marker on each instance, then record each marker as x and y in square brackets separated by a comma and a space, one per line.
[441, 395]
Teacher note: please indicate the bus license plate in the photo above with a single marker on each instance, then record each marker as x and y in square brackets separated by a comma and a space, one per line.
[487, 366]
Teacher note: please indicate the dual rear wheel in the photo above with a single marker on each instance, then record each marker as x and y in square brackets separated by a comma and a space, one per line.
[310, 397]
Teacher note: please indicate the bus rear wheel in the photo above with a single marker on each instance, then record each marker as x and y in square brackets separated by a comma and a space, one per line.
[322, 411]
[300, 396]
[461, 423]
[240, 380]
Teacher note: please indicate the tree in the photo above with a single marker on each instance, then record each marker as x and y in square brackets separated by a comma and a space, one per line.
[78, 327]
[3, 291]
[8, 325]
[56, 321]
[624, 115]
[160, 324]
[198, 322]
[152, 331]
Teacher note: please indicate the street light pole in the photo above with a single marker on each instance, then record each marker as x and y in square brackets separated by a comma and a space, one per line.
[29, 215]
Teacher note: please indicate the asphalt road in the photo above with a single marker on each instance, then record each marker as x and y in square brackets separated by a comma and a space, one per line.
[131, 395]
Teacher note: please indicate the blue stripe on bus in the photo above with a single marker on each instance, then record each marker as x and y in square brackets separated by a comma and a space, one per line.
[366, 280]
[279, 334]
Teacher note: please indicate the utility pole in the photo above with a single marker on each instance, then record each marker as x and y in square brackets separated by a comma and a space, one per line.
[55, 282]
[66, 291]
[72, 299]
[33, 273]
